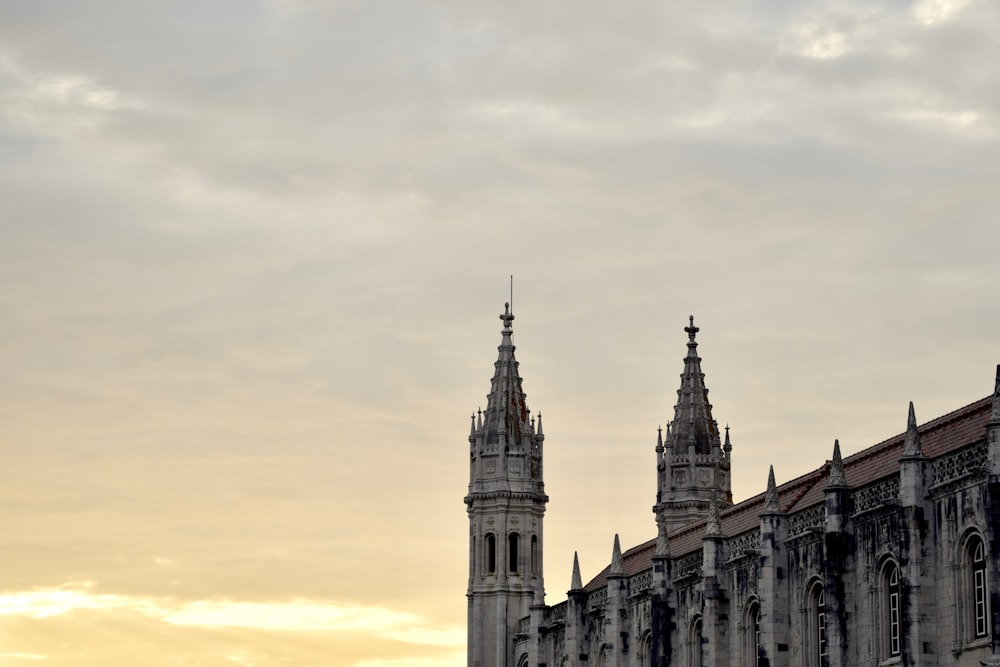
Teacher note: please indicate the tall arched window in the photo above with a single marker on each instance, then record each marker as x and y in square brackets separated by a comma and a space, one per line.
[513, 544]
[752, 643]
[816, 640]
[891, 611]
[977, 592]
[490, 555]
[646, 649]
[695, 644]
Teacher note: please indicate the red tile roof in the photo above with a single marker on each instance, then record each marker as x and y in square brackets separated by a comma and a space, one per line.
[937, 437]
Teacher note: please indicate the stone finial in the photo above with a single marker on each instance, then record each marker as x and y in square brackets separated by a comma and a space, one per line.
[691, 329]
[911, 447]
[995, 414]
[662, 542]
[539, 431]
[728, 446]
[507, 317]
[714, 526]
[771, 504]
[577, 583]
[659, 439]
[472, 432]
[837, 477]
[617, 564]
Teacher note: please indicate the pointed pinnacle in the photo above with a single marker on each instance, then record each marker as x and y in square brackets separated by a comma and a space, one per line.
[539, 431]
[771, 504]
[659, 439]
[617, 565]
[662, 542]
[912, 445]
[577, 582]
[472, 431]
[713, 527]
[837, 477]
[995, 414]
[728, 446]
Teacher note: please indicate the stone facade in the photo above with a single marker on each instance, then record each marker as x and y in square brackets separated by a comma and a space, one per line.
[889, 556]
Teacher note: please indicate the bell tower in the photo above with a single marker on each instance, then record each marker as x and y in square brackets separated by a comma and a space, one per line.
[692, 461]
[505, 503]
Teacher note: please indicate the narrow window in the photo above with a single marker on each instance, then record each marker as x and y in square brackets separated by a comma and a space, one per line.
[892, 611]
[821, 625]
[534, 556]
[752, 635]
[695, 644]
[512, 544]
[491, 553]
[980, 609]
[815, 623]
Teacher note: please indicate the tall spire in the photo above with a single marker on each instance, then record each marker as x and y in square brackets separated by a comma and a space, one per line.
[911, 448]
[693, 420]
[506, 417]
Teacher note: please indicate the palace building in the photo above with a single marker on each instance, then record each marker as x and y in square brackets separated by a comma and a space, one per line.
[890, 556]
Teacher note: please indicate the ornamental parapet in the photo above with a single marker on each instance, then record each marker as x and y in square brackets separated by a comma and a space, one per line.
[880, 495]
[970, 462]
[688, 565]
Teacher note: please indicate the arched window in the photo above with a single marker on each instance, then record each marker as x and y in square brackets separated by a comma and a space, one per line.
[513, 542]
[976, 591]
[534, 556]
[490, 556]
[752, 636]
[816, 639]
[891, 612]
[695, 644]
[646, 649]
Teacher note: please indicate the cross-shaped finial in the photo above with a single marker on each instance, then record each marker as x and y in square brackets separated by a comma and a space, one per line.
[507, 316]
[691, 329]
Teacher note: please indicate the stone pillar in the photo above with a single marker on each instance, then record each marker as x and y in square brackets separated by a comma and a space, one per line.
[918, 609]
[838, 561]
[773, 581]
[615, 623]
[662, 610]
[715, 622]
[576, 606]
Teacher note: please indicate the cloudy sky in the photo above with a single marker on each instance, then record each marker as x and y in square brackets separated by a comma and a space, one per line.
[252, 255]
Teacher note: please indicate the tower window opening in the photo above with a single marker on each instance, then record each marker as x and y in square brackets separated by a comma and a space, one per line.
[513, 542]
[491, 553]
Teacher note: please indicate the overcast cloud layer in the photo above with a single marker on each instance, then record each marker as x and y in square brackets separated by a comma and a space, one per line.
[252, 256]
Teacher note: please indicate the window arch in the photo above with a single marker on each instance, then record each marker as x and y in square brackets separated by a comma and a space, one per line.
[490, 553]
[695, 641]
[891, 610]
[646, 649]
[816, 639]
[513, 548]
[975, 588]
[751, 624]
